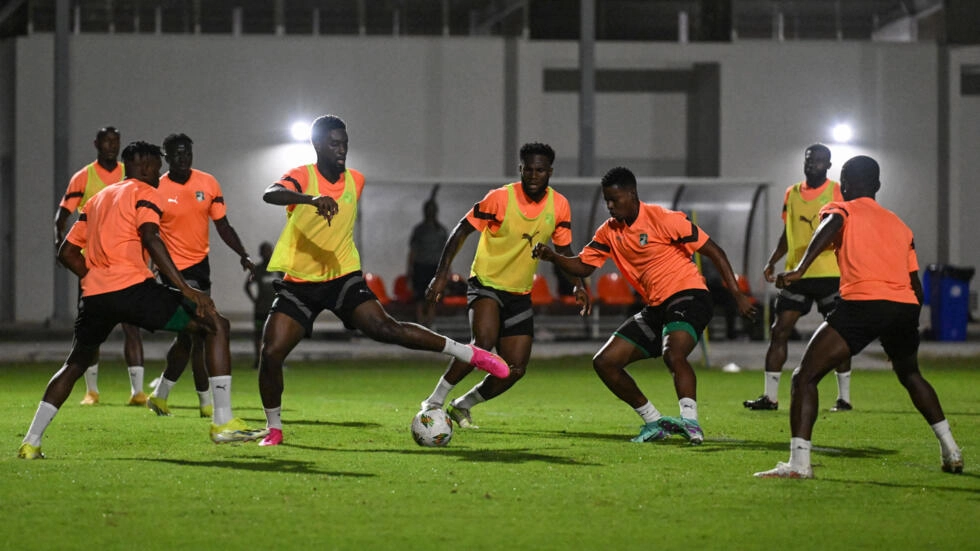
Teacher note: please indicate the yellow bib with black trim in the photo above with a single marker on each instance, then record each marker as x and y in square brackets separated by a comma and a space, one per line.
[802, 219]
[503, 260]
[94, 184]
[311, 250]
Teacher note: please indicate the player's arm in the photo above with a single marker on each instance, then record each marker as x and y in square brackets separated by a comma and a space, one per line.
[718, 257]
[582, 296]
[71, 257]
[277, 194]
[230, 237]
[455, 242]
[60, 221]
[150, 238]
[824, 237]
[571, 265]
[777, 253]
[917, 286]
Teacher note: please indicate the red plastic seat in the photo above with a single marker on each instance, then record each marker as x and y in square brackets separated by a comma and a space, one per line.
[613, 289]
[540, 292]
[456, 286]
[377, 286]
[403, 290]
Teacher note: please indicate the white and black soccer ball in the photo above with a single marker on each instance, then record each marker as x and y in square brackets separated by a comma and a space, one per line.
[432, 428]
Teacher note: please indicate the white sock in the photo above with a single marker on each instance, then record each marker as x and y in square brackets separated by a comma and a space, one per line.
[136, 378]
[221, 389]
[648, 412]
[772, 385]
[42, 418]
[163, 387]
[689, 408]
[470, 399]
[844, 386]
[458, 350]
[438, 396]
[945, 436]
[204, 397]
[273, 418]
[799, 454]
[91, 378]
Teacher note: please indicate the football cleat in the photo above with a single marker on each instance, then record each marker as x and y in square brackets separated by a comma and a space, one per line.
[952, 462]
[784, 470]
[842, 405]
[138, 399]
[158, 405]
[426, 406]
[207, 411]
[688, 428]
[235, 431]
[489, 362]
[91, 398]
[652, 432]
[28, 451]
[762, 402]
[461, 416]
[274, 438]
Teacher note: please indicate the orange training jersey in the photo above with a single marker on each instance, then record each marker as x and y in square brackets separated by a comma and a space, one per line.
[108, 230]
[79, 182]
[876, 252]
[653, 254]
[298, 180]
[488, 214]
[187, 210]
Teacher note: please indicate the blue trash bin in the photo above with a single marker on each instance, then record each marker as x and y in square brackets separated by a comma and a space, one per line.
[949, 300]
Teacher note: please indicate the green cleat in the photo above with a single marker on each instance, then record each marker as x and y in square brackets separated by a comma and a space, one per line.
[652, 432]
[235, 431]
[158, 405]
[461, 416]
[28, 451]
[688, 428]
[207, 411]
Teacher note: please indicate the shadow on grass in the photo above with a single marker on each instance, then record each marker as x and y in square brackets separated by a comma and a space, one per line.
[264, 464]
[511, 456]
[917, 486]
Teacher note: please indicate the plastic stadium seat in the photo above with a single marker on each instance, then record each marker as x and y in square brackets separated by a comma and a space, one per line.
[377, 286]
[613, 289]
[540, 293]
[403, 290]
[456, 286]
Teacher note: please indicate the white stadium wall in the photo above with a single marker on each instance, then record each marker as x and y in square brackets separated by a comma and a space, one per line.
[434, 107]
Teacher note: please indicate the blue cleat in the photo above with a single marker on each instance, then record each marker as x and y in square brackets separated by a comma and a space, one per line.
[652, 432]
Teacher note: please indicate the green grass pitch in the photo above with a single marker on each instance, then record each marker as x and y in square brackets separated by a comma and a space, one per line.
[551, 467]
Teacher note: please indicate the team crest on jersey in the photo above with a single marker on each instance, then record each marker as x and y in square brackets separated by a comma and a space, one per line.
[549, 219]
[347, 197]
[643, 239]
[199, 195]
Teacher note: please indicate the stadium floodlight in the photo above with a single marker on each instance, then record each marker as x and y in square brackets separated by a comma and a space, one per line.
[842, 133]
[300, 131]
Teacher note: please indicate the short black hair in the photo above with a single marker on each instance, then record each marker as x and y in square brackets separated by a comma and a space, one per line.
[862, 170]
[537, 148]
[140, 149]
[174, 139]
[324, 124]
[105, 131]
[619, 177]
[820, 147]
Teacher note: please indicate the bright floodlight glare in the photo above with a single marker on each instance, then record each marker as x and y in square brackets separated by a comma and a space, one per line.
[300, 131]
[842, 133]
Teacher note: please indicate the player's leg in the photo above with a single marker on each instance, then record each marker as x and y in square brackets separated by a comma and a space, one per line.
[133, 352]
[91, 397]
[280, 335]
[828, 291]
[177, 357]
[199, 367]
[685, 316]
[786, 313]
[516, 351]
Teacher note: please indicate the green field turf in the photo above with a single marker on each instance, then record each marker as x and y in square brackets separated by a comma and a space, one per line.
[551, 468]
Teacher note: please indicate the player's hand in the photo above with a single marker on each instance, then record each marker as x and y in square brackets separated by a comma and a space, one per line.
[767, 272]
[543, 252]
[204, 306]
[583, 299]
[746, 306]
[326, 207]
[436, 288]
[784, 279]
[249, 266]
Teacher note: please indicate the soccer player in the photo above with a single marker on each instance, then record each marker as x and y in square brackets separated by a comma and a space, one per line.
[511, 220]
[115, 228]
[193, 198]
[652, 247]
[88, 181]
[316, 251]
[821, 284]
[881, 298]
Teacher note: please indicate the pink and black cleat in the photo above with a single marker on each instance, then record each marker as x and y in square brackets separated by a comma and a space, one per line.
[489, 362]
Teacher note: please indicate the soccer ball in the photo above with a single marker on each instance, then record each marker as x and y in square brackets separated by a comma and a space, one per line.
[432, 427]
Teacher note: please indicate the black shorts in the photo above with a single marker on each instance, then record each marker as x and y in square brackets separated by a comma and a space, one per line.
[688, 311]
[800, 296]
[516, 314]
[861, 321]
[149, 305]
[304, 301]
[197, 276]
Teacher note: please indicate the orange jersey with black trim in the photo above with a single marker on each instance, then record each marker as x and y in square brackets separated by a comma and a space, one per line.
[298, 180]
[876, 252]
[488, 214]
[79, 182]
[108, 230]
[187, 210]
[653, 253]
